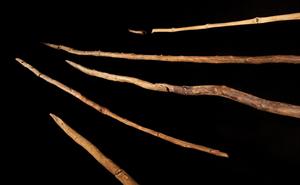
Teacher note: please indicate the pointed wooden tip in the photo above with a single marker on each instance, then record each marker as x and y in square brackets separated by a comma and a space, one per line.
[138, 32]
[223, 154]
[19, 60]
[23, 63]
[219, 153]
[73, 64]
[70, 62]
[59, 121]
[54, 46]
[54, 117]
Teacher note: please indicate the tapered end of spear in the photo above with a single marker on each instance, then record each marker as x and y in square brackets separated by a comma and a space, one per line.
[23, 63]
[57, 120]
[219, 153]
[73, 64]
[138, 32]
[52, 116]
[54, 46]
[19, 60]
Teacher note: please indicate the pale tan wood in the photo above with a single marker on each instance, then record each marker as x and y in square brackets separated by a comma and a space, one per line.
[288, 59]
[106, 162]
[125, 121]
[213, 90]
[256, 20]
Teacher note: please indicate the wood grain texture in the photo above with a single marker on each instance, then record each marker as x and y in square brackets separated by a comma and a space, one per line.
[267, 59]
[107, 163]
[212, 90]
[103, 110]
[256, 20]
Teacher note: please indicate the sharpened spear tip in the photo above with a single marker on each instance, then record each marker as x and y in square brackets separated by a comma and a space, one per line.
[19, 60]
[53, 116]
[138, 32]
[104, 161]
[220, 154]
[51, 45]
[103, 110]
[224, 59]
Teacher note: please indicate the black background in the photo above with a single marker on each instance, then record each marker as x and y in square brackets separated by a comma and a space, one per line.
[264, 148]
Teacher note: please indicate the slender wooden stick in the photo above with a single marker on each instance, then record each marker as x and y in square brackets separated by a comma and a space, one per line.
[256, 20]
[107, 112]
[213, 90]
[138, 32]
[291, 59]
[107, 163]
